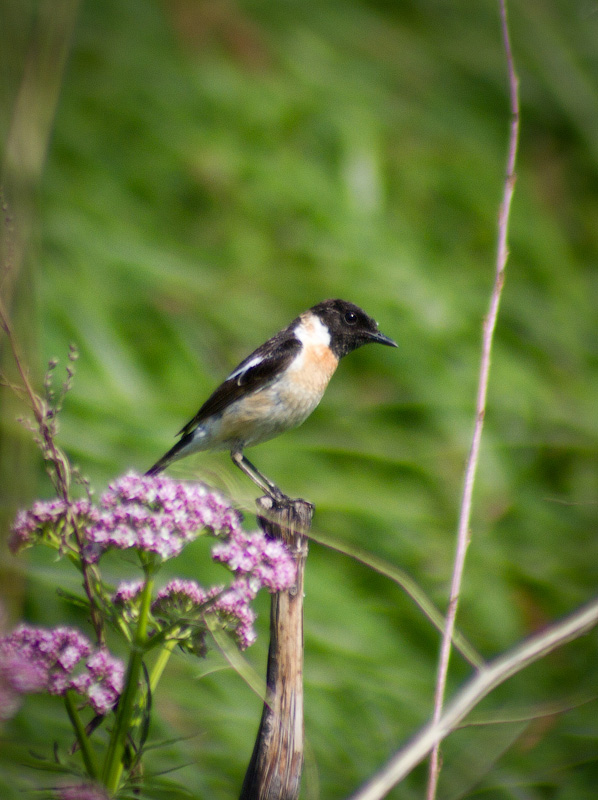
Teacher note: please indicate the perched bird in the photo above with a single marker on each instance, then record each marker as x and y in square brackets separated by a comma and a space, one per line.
[276, 387]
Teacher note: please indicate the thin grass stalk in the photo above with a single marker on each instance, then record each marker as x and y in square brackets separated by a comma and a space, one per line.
[463, 532]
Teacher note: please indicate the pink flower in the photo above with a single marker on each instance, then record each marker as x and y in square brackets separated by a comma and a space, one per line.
[18, 676]
[82, 791]
[184, 596]
[157, 515]
[102, 683]
[46, 521]
[34, 660]
[186, 605]
[266, 560]
[126, 592]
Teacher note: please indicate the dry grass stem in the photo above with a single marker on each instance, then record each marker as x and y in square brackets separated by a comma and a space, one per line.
[463, 532]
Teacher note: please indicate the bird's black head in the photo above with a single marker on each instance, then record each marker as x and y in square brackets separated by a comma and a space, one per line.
[349, 326]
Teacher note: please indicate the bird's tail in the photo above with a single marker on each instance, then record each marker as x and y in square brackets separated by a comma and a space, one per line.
[158, 467]
[180, 449]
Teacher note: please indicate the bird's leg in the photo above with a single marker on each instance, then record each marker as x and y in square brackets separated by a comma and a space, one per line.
[256, 476]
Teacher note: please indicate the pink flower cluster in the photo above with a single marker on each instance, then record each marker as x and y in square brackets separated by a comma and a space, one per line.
[102, 681]
[82, 791]
[36, 660]
[157, 515]
[233, 609]
[45, 519]
[187, 605]
[179, 598]
[256, 562]
[264, 562]
[126, 592]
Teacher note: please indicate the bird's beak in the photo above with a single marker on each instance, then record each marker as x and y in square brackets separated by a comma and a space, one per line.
[381, 339]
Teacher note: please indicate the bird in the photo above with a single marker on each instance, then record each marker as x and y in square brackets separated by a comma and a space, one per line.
[276, 387]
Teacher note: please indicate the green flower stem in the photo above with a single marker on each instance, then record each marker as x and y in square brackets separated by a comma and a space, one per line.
[86, 751]
[161, 662]
[113, 764]
[156, 672]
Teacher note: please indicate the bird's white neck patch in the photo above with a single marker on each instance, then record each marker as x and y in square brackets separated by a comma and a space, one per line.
[312, 332]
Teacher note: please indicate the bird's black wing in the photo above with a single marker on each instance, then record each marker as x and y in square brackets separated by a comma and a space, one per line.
[253, 373]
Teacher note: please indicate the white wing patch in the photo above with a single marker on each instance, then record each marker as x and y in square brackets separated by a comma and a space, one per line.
[240, 371]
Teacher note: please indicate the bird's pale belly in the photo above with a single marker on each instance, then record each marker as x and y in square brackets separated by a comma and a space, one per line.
[265, 414]
[276, 408]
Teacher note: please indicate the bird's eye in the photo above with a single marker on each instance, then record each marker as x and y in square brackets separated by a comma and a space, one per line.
[350, 317]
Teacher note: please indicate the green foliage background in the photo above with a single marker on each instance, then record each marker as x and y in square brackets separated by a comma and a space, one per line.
[215, 168]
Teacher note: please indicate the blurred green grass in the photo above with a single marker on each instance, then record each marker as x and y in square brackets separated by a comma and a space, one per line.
[216, 168]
